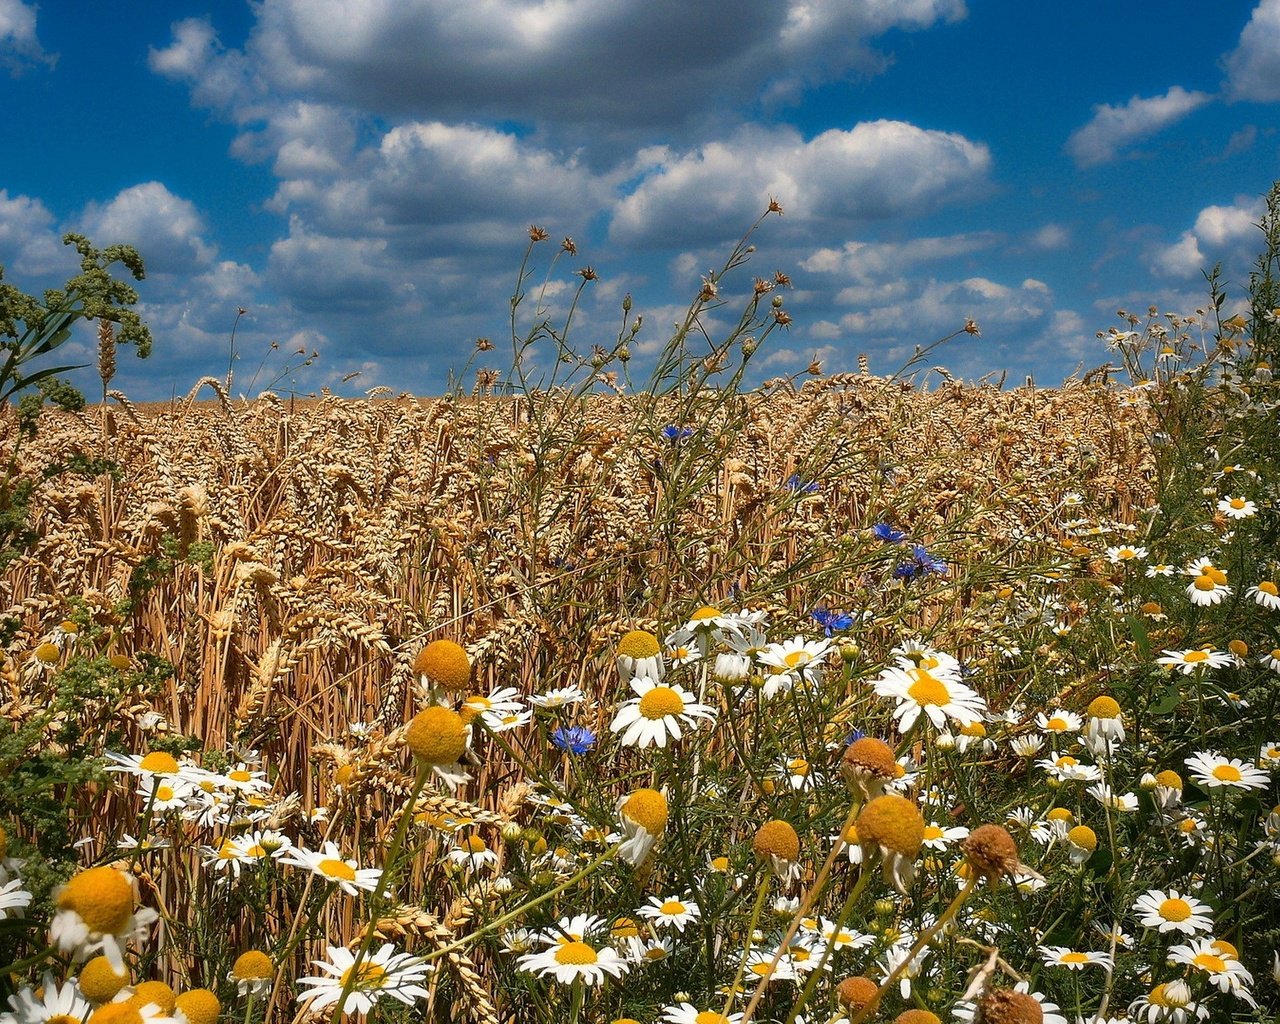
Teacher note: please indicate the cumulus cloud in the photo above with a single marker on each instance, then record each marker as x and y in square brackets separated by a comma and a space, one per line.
[875, 170]
[167, 229]
[19, 46]
[1253, 67]
[607, 68]
[1113, 128]
[1221, 233]
[29, 244]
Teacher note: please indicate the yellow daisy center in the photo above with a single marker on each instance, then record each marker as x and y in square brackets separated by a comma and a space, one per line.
[1237, 503]
[893, 822]
[338, 870]
[1104, 707]
[164, 793]
[62, 1018]
[1170, 779]
[364, 976]
[116, 1013]
[99, 981]
[436, 735]
[1057, 724]
[638, 644]
[159, 763]
[704, 613]
[1075, 958]
[625, 928]
[672, 907]
[928, 690]
[1174, 910]
[575, 953]
[1195, 656]
[1209, 962]
[1227, 773]
[648, 809]
[710, 1017]
[797, 658]
[932, 832]
[661, 702]
[1084, 837]
[252, 966]
[1204, 583]
[1269, 588]
[778, 839]
[199, 1006]
[445, 664]
[239, 775]
[102, 897]
[1060, 814]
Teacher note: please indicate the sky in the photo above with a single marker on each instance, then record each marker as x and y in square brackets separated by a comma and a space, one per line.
[359, 176]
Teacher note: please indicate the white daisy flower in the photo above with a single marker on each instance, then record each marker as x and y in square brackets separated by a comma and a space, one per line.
[796, 656]
[1188, 662]
[657, 713]
[1125, 803]
[384, 973]
[1214, 771]
[1205, 591]
[1266, 594]
[1173, 912]
[1168, 1003]
[671, 911]
[1074, 960]
[50, 1004]
[1066, 768]
[1237, 508]
[1125, 554]
[96, 914]
[330, 865]
[568, 962]
[472, 853]
[1218, 960]
[1159, 569]
[558, 697]
[936, 837]
[940, 697]
[687, 1013]
[13, 897]
[1059, 722]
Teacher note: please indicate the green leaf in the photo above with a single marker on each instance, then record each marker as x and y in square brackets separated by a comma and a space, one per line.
[1140, 639]
[1171, 698]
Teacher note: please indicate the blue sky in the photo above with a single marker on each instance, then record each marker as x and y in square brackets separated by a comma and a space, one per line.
[359, 176]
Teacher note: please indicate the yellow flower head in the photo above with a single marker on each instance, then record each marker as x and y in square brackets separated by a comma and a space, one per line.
[991, 852]
[776, 838]
[103, 897]
[437, 735]
[199, 1006]
[1084, 837]
[1005, 1006]
[892, 822]
[638, 644]
[99, 981]
[857, 992]
[156, 992]
[445, 664]
[648, 809]
[253, 965]
[1104, 707]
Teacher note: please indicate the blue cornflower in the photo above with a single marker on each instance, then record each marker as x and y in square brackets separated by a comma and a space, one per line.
[888, 534]
[853, 737]
[921, 564]
[673, 433]
[794, 483]
[574, 739]
[832, 621]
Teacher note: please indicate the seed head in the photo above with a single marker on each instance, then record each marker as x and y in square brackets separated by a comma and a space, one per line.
[1005, 1006]
[857, 992]
[445, 664]
[893, 823]
[437, 735]
[991, 852]
[777, 838]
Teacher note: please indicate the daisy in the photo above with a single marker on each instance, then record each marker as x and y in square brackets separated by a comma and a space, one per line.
[499, 702]
[472, 853]
[1269, 755]
[1271, 659]
[687, 1013]
[1188, 662]
[1062, 956]
[1125, 554]
[1069, 769]
[1059, 722]
[384, 973]
[1105, 725]
[1172, 912]
[96, 915]
[252, 972]
[502, 721]
[49, 1003]
[1217, 959]
[164, 794]
[938, 838]
[852, 845]
[158, 764]
[1168, 1003]
[939, 697]
[1125, 803]
[1214, 771]
[558, 697]
[670, 912]
[1237, 508]
[643, 814]
[656, 714]
[1159, 569]
[330, 865]
[796, 656]
[575, 960]
[765, 964]
[1204, 590]
[1266, 594]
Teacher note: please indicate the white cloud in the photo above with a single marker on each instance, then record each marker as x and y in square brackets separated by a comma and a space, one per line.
[1253, 67]
[1220, 233]
[1051, 236]
[1113, 128]
[166, 229]
[18, 43]
[864, 261]
[875, 170]
[30, 246]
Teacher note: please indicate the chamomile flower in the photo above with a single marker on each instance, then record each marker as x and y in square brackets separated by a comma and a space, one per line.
[1125, 803]
[657, 713]
[1074, 960]
[576, 960]
[1237, 508]
[639, 654]
[164, 794]
[796, 656]
[1059, 722]
[1271, 659]
[1205, 590]
[384, 973]
[1266, 594]
[936, 837]
[502, 701]
[893, 827]
[96, 915]
[51, 1003]
[252, 972]
[764, 964]
[1171, 911]
[1050, 1013]
[159, 764]
[1105, 725]
[1159, 569]
[330, 865]
[1217, 959]
[938, 696]
[1066, 768]
[670, 912]
[1168, 1003]
[1125, 554]
[644, 818]
[472, 853]
[1190, 661]
[558, 697]
[1214, 771]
